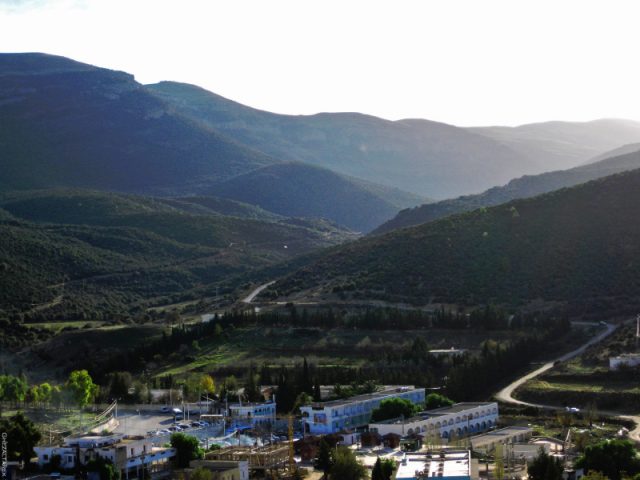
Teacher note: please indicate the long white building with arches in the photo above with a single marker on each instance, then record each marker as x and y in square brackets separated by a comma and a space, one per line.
[459, 420]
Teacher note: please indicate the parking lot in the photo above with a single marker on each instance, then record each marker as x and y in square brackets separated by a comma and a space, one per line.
[134, 422]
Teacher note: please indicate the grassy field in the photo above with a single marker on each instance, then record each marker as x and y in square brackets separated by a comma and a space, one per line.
[324, 348]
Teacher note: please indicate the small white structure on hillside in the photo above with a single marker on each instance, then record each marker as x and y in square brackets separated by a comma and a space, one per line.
[624, 360]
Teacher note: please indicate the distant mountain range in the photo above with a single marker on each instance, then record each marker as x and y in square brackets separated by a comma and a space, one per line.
[562, 145]
[67, 124]
[527, 186]
[71, 125]
[577, 245]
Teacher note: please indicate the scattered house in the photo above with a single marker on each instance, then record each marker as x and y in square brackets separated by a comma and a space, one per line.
[627, 360]
[321, 418]
[448, 464]
[458, 420]
[505, 436]
[129, 454]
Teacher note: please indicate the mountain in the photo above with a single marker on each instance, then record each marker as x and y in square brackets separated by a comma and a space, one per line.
[579, 245]
[562, 145]
[122, 250]
[527, 186]
[299, 190]
[428, 158]
[616, 152]
[68, 124]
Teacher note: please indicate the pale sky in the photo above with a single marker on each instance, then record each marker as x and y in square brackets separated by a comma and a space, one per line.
[465, 62]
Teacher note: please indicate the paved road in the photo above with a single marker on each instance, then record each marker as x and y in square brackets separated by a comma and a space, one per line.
[254, 293]
[506, 394]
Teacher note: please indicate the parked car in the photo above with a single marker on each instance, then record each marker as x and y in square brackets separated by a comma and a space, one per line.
[165, 409]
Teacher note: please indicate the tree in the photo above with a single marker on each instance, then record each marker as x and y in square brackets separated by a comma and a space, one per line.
[187, 449]
[394, 408]
[611, 457]
[346, 466]
[201, 473]
[81, 387]
[324, 458]
[22, 436]
[545, 467]
[435, 400]
[44, 392]
[207, 385]
[383, 469]
[376, 473]
[104, 467]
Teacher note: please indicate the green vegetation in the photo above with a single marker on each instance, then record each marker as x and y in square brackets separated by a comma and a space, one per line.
[435, 400]
[394, 408]
[345, 466]
[557, 247]
[104, 468]
[383, 469]
[22, 436]
[613, 458]
[187, 449]
[545, 467]
[102, 255]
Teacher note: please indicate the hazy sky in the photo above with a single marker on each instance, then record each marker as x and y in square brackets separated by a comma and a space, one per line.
[475, 62]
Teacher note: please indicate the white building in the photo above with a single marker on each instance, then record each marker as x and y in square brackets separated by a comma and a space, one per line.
[322, 418]
[254, 413]
[624, 360]
[448, 464]
[459, 420]
[130, 455]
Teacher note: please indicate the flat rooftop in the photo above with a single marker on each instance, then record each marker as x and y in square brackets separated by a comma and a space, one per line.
[494, 435]
[458, 407]
[389, 390]
[448, 463]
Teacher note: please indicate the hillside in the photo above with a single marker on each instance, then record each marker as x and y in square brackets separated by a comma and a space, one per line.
[299, 190]
[121, 250]
[577, 245]
[562, 145]
[527, 186]
[69, 124]
[428, 158]
[616, 152]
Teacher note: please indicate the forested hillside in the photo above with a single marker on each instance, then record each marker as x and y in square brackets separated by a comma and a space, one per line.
[577, 245]
[116, 251]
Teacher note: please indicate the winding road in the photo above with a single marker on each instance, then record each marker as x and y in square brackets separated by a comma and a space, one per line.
[256, 291]
[506, 394]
